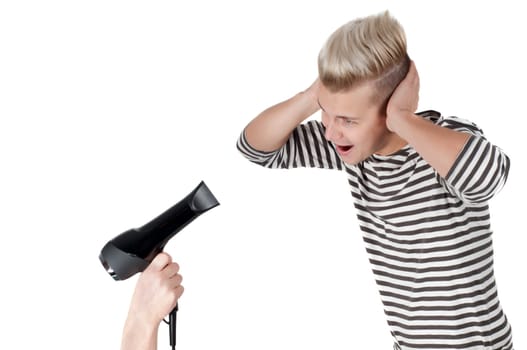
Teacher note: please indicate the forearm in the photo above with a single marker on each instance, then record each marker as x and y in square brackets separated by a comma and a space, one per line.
[270, 130]
[437, 145]
[138, 335]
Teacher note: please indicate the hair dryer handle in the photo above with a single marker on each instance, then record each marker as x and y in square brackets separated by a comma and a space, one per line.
[172, 318]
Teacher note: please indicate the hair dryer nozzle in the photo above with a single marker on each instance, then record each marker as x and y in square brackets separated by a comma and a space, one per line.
[203, 199]
[132, 251]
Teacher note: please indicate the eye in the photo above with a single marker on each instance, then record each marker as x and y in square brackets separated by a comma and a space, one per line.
[348, 121]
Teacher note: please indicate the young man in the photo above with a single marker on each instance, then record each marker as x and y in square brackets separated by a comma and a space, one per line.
[420, 184]
[156, 294]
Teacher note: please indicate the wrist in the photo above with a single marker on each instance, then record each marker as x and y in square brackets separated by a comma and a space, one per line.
[308, 102]
[397, 122]
[140, 325]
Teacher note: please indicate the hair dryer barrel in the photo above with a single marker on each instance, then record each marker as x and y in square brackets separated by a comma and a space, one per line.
[132, 251]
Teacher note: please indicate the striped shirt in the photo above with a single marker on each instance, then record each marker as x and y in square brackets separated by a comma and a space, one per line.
[428, 238]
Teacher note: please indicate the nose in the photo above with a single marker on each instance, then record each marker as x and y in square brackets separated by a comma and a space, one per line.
[332, 132]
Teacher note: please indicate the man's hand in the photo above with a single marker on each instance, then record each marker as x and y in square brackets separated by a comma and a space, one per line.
[404, 100]
[156, 294]
[313, 92]
[157, 290]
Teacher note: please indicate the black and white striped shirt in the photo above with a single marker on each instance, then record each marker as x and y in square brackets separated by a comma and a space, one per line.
[428, 238]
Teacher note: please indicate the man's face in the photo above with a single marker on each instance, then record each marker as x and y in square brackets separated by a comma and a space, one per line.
[355, 125]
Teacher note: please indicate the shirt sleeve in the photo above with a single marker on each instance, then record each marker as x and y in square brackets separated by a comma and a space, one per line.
[306, 147]
[480, 169]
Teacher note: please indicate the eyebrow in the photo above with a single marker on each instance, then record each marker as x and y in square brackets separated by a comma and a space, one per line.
[338, 116]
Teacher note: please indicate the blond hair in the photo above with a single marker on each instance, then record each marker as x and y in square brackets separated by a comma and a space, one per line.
[368, 49]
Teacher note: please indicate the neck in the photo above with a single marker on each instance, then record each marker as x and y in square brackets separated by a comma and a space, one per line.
[393, 144]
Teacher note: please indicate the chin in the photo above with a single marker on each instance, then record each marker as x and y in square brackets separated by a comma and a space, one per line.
[351, 160]
[354, 159]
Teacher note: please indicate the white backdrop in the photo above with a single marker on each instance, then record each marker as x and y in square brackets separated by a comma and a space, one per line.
[112, 111]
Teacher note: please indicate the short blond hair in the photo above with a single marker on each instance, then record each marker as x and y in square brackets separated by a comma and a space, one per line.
[368, 49]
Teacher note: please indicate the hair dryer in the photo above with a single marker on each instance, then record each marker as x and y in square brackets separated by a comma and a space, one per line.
[132, 251]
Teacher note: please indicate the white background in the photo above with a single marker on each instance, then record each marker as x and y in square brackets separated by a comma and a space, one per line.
[112, 111]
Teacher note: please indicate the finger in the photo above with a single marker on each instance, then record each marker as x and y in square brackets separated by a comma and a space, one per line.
[175, 281]
[170, 270]
[412, 66]
[160, 261]
[175, 294]
[179, 291]
[413, 70]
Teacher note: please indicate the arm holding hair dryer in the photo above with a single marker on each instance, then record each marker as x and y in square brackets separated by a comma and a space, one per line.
[138, 250]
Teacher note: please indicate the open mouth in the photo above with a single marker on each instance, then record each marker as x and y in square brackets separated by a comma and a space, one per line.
[344, 148]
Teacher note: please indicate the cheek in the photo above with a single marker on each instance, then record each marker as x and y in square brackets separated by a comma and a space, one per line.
[366, 134]
[356, 135]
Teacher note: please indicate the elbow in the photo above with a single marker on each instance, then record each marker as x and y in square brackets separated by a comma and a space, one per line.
[487, 188]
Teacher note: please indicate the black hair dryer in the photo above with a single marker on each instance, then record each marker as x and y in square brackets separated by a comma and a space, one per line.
[132, 251]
